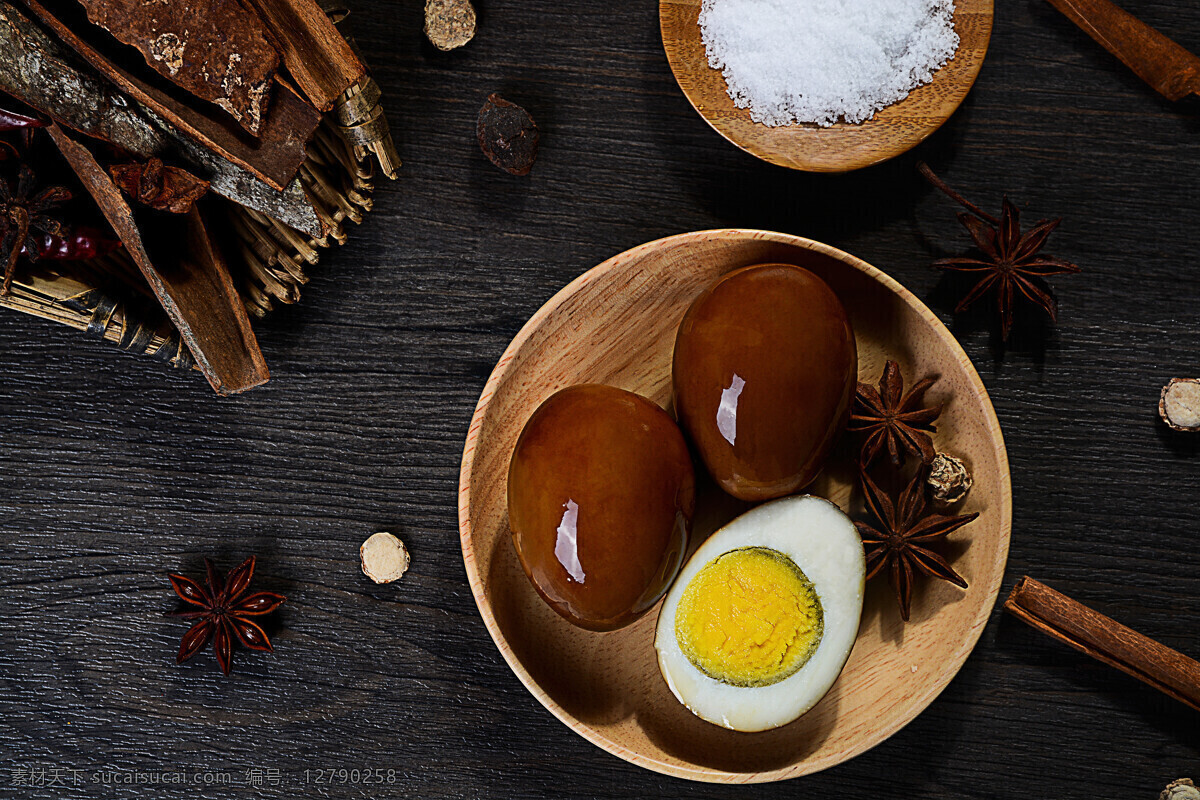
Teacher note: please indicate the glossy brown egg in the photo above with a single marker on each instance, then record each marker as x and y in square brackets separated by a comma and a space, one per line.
[600, 500]
[764, 372]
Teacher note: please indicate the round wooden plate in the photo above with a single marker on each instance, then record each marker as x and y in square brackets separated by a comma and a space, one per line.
[616, 324]
[840, 148]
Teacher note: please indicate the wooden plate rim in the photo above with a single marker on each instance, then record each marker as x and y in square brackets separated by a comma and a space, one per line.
[695, 773]
[674, 59]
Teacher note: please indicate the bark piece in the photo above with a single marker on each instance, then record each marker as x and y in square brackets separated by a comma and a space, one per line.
[289, 124]
[314, 52]
[507, 135]
[195, 288]
[35, 69]
[218, 50]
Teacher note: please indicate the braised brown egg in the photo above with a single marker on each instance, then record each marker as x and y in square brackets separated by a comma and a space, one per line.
[764, 372]
[600, 500]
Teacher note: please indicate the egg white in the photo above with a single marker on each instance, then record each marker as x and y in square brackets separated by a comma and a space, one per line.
[823, 542]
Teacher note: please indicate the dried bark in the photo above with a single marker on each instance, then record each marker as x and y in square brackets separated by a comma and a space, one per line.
[218, 50]
[314, 52]
[194, 287]
[36, 69]
[275, 157]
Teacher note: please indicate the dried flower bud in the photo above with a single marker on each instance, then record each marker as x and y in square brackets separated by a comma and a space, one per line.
[449, 23]
[949, 479]
[1179, 404]
[507, 135]
[1182, 789]
[384, 558]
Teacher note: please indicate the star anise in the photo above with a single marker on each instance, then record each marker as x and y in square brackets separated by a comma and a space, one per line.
[1011, 263]
[901, 543]
[22, 213]
[222, 613]
[889, 416]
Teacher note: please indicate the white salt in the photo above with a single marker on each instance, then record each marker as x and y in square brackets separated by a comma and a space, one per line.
[819, 61]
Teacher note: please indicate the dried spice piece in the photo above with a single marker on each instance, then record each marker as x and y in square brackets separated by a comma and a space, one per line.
[1182, 789]
[949, 480]
[83, 242]
[223, 611]
[449, 23]
[900, 543]
[507, 135]
[320, 59]
[274, 157]
[16, 121]
[384, 558]
[35, 68]
[159, 186]
[1011, 263]
[23, 211]
[1179, 404]
[218, 50]
[193, 284]
[889, 416]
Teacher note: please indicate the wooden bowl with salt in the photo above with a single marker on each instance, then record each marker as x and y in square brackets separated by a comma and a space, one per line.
[842, 147]
[616, 324]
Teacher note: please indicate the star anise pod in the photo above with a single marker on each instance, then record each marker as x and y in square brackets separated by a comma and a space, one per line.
[22, 213]
[1011, 264]
[889, 416]
[901, 543]
[223, 610]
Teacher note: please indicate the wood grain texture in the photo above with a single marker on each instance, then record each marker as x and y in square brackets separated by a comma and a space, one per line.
[841, 147]
[115, 471]
[616, 325]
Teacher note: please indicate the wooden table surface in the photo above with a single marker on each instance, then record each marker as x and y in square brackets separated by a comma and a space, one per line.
[116, 471]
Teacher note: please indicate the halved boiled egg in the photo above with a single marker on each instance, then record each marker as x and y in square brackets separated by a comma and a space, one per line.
[762, 618]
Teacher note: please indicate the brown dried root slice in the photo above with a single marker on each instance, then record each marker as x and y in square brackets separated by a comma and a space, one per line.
[949, 480]
[384, 558]
[1179, 404]
[507, 135]
[218, 50]
[449, 23]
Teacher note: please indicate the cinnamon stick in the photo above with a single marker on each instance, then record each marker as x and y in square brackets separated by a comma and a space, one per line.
[1106, 640]
[316, 55]
[286, 128]
[196, 290]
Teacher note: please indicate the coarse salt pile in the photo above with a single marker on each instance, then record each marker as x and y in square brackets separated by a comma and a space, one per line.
[819, 61]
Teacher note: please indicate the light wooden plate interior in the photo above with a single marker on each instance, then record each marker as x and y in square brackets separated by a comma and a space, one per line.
[840, 148]
[616, 324]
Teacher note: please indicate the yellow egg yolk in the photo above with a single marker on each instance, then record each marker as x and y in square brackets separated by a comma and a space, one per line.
[750, 617]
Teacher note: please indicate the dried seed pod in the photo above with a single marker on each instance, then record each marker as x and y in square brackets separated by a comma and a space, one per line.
[949, 480]
[384, 558]
[1182, 789]
[1179, 404]
[507, 135]
[449, 23]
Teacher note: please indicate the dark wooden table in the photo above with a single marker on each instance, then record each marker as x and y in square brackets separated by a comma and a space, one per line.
[115, 471]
